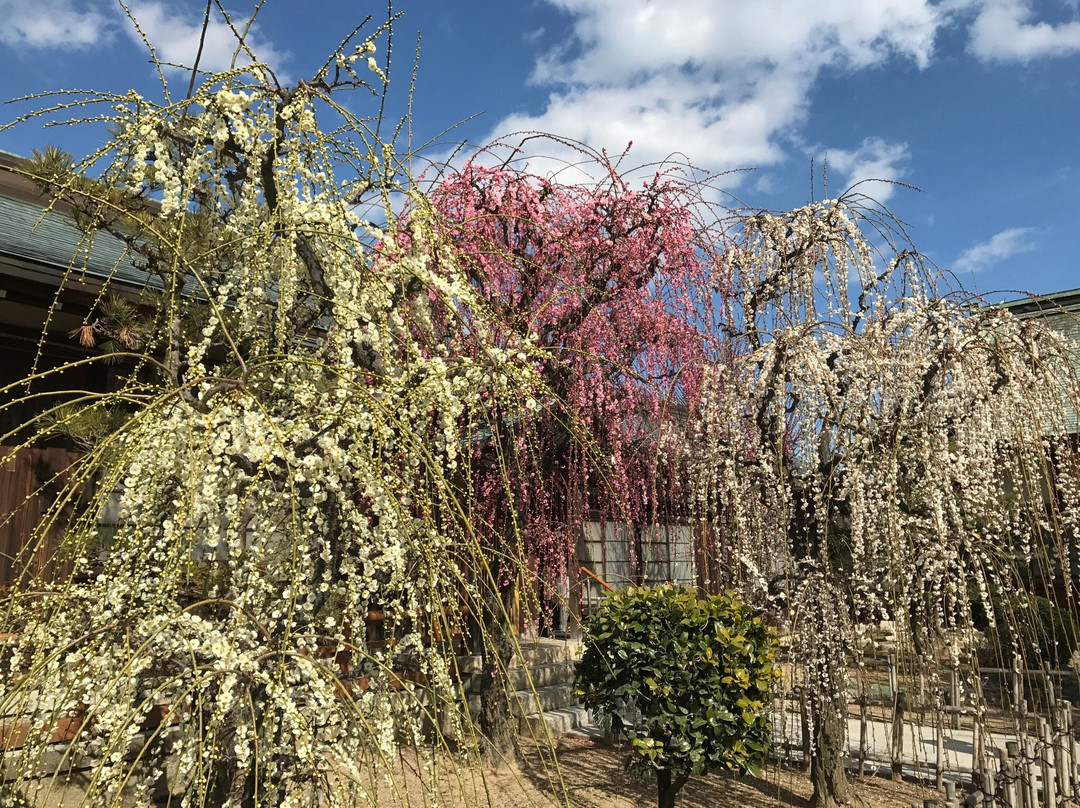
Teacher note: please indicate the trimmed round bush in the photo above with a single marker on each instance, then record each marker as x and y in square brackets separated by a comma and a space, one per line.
[699, 672]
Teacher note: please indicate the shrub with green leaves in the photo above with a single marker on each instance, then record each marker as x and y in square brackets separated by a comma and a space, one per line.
[696, 673]
[1032, 626]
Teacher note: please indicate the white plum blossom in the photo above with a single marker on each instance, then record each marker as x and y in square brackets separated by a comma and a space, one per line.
[872, 450]
[287, 466]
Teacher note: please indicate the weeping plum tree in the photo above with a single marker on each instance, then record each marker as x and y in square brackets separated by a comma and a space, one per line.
[287, 445]
[606, 282]
[874, 450]
[298, 439]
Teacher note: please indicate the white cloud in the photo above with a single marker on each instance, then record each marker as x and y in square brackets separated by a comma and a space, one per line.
[728, 84]
[175, 37]
[52, 24]
[1004, 31]
[1003, 245]
[663, 115]
[621, 38]
[173, 29]
[872, 165]
[718, 81]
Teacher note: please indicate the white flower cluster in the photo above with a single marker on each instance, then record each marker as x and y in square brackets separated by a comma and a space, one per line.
[871, 451]
[295, 478]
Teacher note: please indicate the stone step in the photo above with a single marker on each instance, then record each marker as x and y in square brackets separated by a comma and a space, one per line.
[543, 699]
[546, 652]
[553, 673]
[469, 674]
[591, 732]
[573, 721]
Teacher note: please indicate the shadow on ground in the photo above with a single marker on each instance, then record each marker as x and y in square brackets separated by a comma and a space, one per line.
[593, 776]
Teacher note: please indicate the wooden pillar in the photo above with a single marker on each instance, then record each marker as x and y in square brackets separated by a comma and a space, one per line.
[1074, 761]
[804, 713]
[1070, 756]
[939, 749]
[894, 684]
[1046, 766]
[954, 696]
[1028, 764]
[1019, 701]
[990, 780]
[863, 745]
[1061, 757]
[1009, 791]
[899, 707]
[978, 748]
[951, 800]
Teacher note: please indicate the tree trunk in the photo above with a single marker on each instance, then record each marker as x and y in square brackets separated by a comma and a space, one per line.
[827, 758]
[498, 742]
[667, 787]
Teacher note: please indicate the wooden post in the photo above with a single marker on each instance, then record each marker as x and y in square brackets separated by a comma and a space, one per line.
[939, 758]
[1061, 757]
[978, 733]
[1017, 686]
[1028, 764]
[804, 711]
[1051, 693]
[1074, 760]
[1069, 745]
[954, 696]
[990, 779]
[1046, 766]
[1008, 791]
[1015, 774]
[863, 745]
[1073, 752]
[978, 751]
[899, 707]
[1019, 701]
[893, 678]
[950, 795]
[862, 721]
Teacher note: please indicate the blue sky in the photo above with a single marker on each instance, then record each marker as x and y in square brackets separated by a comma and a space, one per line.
[976, 102]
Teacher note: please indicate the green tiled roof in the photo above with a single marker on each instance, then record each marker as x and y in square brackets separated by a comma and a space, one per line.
[51, 239]
[1060, 312]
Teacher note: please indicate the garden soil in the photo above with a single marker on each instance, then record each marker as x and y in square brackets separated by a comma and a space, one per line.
[588, 775]
[593, 776]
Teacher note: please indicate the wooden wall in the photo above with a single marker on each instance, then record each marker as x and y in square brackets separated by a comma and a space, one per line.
[32, 482]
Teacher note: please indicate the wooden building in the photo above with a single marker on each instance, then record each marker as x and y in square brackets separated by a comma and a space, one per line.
[50, 277]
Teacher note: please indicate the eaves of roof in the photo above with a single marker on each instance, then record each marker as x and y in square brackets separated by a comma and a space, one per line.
[50, 241]
[1043, 305]
[1059, 312]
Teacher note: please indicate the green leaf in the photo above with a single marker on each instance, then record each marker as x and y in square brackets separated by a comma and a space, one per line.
[699, 670]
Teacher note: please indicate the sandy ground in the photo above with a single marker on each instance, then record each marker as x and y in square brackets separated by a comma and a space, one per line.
[593, 776]
[588, 775]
